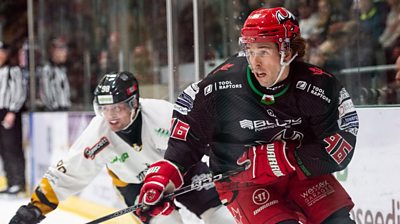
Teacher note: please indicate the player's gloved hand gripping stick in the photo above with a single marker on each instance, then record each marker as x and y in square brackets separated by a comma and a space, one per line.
[162, 177]
[195, 185]
[265, 163]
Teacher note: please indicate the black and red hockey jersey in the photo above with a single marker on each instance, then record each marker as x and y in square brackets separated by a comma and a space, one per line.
[229, 111]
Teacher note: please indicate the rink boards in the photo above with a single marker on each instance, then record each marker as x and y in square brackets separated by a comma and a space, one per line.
[371, 179]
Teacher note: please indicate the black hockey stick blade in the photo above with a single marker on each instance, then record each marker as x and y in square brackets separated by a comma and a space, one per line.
[117, 213]
[195, 185]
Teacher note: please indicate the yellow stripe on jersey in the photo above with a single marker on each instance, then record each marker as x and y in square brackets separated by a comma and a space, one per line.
[116, 181]
[44, 197]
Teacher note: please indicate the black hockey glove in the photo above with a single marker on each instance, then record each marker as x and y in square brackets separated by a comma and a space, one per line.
[27, 214]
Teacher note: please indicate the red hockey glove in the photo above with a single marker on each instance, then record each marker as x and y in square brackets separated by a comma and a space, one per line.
[265, 163]
[161, 178]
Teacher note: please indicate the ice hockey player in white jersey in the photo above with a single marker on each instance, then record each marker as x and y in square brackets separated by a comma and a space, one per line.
[124, 127]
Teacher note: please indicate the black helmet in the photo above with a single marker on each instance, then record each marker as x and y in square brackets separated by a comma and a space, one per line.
[116, 87]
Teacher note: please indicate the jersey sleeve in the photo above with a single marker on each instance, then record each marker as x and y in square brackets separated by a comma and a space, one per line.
[191, 127]
[331, 139]
[85, 159]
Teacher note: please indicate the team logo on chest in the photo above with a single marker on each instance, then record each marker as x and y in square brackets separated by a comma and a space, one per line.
[259, 125]
[91, 152]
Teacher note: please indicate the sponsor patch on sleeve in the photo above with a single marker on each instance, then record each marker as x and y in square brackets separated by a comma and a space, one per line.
[184, 103]
[346, 107]
[349, 120]
[343, 95]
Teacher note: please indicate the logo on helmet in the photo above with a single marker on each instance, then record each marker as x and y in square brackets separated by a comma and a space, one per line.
[105, 99]
[131, 89]
[282, 18]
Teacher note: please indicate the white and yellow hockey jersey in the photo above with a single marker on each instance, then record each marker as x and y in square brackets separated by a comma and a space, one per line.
[98, 147]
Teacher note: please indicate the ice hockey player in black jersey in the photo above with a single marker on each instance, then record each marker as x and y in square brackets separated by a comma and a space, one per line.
[289, 124]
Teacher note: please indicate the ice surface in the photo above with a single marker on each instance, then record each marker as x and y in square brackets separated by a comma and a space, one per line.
[8, 207]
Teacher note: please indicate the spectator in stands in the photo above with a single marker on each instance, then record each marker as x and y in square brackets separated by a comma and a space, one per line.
[336, 49]
[393, 89]
[372, 18]
[143, 66]
[12, 99]
[53, 80]
[371, 25]
[324, 18]
[389, 94]
[327, 35]
[308, 18]
[109, 57]
[329, 16]
[366, 50]
[392, 29]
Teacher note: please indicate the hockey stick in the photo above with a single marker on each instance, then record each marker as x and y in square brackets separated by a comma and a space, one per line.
[195, 185]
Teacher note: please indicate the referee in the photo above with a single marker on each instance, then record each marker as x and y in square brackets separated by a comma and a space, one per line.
[54, 84]
[12, 98]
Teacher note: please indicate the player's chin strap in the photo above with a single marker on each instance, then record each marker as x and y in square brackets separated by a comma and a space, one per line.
[134, 115]
[283, 66]
[285, 45]
[199, 184]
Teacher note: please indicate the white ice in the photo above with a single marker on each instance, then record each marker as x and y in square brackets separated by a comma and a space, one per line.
[8, 207]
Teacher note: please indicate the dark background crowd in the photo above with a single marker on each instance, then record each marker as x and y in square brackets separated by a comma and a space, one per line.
[358, 40]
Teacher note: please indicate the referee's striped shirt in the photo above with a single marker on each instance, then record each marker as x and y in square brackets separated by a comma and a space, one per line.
[12, 88]
[54, 87]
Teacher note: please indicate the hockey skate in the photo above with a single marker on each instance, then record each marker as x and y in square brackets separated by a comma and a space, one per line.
[14, 191]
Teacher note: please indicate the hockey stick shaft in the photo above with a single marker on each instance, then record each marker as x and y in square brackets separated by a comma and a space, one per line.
[195, 185]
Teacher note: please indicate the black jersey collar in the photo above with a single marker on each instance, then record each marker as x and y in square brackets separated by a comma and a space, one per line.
[133, 134]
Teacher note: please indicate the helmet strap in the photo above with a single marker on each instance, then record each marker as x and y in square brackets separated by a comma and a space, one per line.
[283, 66]
[134, 114]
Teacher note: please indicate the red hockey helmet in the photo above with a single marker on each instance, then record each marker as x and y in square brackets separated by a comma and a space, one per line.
[270, 25]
